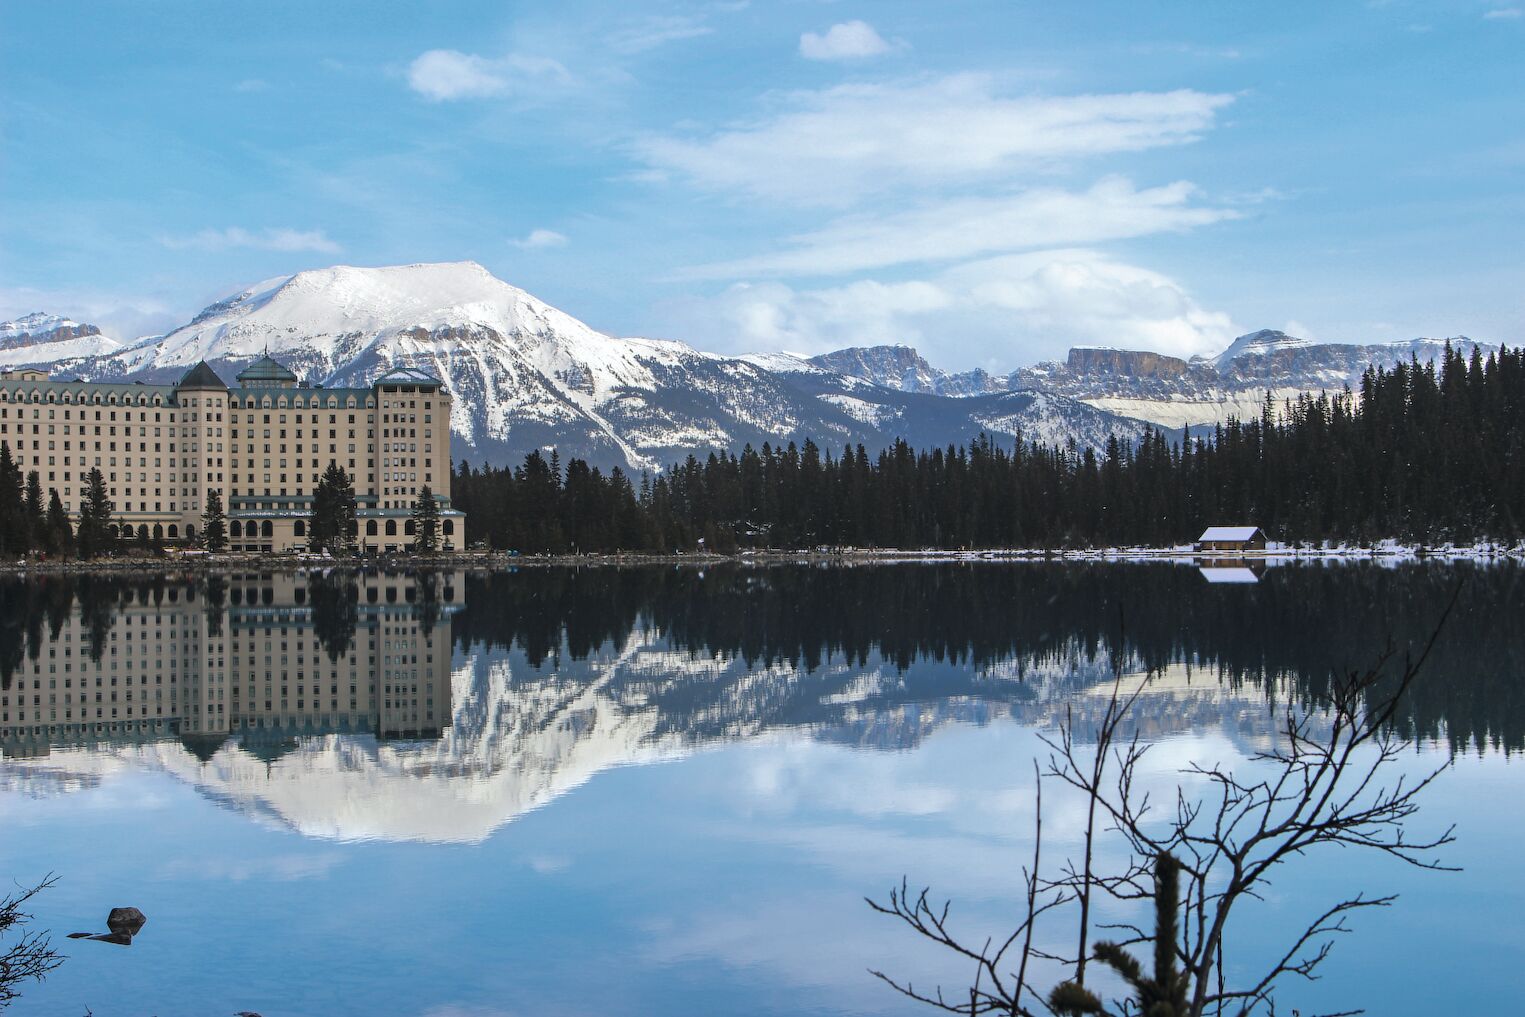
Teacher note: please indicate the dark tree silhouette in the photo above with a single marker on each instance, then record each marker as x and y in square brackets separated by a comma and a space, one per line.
[1326, 785]
[426, 522]
[29, 956]
[214, 524]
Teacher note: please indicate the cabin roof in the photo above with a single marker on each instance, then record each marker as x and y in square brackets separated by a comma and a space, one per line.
[1229, 533]
[1236, 574]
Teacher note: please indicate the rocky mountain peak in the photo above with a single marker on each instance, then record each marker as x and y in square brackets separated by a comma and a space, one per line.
[1265, 342]
[41, 327]
[898, 366]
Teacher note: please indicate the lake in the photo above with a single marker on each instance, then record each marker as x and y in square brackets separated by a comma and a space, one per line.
[664, 790]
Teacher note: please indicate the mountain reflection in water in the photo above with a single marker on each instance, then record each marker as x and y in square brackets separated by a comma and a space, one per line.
[437, 707]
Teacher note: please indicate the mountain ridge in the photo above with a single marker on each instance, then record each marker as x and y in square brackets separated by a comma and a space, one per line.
[527, 375]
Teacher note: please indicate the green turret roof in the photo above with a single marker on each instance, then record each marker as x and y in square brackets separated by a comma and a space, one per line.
[266, 369]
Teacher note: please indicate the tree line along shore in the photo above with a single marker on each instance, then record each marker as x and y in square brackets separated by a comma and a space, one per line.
[1424, 454]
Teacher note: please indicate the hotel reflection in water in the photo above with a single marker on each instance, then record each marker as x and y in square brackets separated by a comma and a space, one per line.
[259, 669]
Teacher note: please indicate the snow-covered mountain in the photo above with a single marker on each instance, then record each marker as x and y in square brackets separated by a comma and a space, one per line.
[526, 375]
[45, 339]
[1177, 393]
[1161, 389]
[903, 368]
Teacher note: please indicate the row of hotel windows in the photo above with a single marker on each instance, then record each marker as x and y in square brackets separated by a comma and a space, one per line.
[236, 529]
[67, 398]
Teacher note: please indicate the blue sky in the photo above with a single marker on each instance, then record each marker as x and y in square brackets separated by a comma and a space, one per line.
[990, 181]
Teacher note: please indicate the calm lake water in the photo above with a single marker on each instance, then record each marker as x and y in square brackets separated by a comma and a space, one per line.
[667, 791]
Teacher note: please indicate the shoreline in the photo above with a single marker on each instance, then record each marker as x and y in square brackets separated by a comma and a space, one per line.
[1384, 551]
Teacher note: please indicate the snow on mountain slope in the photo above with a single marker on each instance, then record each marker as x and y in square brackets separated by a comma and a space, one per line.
[45, 339]
[1207, 391]
[526, 375]
[1259, 344]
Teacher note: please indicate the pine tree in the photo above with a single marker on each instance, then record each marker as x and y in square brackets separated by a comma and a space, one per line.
[1164, 995]
[33, 513]
[214, 524]
[425, 522]
[11, 503]
[58, 534]
[331, 525]
[95, 512]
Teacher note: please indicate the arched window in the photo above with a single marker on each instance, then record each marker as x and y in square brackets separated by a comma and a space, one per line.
[190, 531]
[236, 528]
[267, 529]
[370, 527]
[408, 529]
[449, 527]
[301, 528]
[391, 527]
[142, 531]
[158, 531]
[174, 532]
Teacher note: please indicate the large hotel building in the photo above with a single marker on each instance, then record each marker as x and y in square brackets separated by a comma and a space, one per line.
[263, 444]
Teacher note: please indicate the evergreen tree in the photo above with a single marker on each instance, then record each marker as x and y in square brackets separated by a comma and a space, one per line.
[12, 503]
[425, 522]
[331, 525]
[33, 513]
[58, 534]
[1163, 995]
[214, 524]
[96, 509]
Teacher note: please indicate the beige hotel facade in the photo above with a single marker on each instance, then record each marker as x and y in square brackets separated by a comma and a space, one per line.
[263, 444]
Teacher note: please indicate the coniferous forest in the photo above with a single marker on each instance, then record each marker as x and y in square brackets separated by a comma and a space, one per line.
[1422, 452]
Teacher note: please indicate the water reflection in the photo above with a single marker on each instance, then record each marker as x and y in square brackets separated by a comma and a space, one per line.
[439, 707]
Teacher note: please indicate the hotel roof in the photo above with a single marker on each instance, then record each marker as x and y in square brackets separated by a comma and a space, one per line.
[267, 368]
[202, 376]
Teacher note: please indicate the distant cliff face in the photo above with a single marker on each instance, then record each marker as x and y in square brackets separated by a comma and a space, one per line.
[1085, 360]
[43, 340]
[897, 367]
[36, 329]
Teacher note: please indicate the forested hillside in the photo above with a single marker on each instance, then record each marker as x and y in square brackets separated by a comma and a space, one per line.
[1421, 452]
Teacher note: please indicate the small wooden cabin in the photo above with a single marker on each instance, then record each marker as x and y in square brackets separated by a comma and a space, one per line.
[1232, 538]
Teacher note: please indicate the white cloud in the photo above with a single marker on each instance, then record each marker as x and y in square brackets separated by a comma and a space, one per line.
[958, 228]
[851, 40]
[1504, 14]
[1085, 297]
[263, 240]
[540, 238]
[652, 32]
[441, 75]
[251, 85]
[843, 144]
[995, 312]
